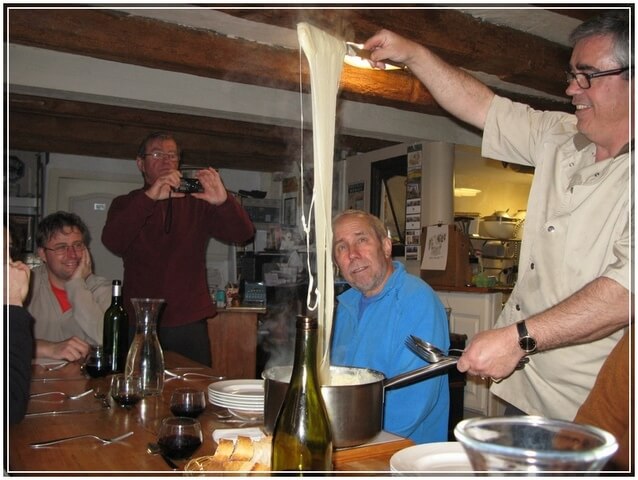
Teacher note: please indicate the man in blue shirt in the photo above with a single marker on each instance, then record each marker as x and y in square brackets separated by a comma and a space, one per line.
[375, 316]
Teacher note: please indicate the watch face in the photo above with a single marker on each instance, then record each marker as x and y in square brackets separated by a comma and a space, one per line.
[527, 343]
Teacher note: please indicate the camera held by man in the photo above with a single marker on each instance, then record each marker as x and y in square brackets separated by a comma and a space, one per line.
[188, 183]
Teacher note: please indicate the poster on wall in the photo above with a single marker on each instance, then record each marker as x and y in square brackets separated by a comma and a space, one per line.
[413, 203]
[355, 196]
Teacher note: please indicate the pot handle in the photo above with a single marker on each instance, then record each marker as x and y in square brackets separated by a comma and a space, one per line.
[419, 373]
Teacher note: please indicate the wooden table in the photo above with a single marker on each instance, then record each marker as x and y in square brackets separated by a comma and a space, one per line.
[129, 455]
[233, 341]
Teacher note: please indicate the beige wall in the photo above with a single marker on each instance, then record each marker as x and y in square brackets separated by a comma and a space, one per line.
[501, 188]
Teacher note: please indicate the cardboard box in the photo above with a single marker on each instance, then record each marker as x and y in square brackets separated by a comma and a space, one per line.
[458, 272]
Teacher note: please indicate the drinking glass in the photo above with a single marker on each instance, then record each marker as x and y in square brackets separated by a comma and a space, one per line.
[188, 402]
[96, 364]
[126, 390]
[534, 444]
[179, 437]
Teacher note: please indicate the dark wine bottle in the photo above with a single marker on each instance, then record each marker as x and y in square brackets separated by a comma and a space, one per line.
[302, 439]
[114, 334]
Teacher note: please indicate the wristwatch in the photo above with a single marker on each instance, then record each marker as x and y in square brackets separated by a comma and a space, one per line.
[525, 341]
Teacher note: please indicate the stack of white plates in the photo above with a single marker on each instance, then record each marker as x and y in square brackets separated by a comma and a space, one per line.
[240, 395]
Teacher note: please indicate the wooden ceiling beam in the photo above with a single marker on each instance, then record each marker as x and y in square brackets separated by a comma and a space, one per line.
[82, 128]
[115, 36]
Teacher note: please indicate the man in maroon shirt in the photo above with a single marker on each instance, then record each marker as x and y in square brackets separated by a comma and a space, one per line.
[162, 236]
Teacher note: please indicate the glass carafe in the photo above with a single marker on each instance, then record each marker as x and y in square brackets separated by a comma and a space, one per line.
[145, 357]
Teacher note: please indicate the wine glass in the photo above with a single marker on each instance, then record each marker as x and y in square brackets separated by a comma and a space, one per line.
[96, 364]
[179, 437]
[188, 402]
[126, 390]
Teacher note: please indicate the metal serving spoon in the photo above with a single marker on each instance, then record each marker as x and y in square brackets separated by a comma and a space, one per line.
[433, 354]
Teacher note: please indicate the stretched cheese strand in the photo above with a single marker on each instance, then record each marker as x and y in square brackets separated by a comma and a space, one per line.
[325, 56]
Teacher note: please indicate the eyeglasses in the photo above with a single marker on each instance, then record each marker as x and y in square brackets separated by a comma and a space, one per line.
[584, 79]
[61, 250]
[162, 156]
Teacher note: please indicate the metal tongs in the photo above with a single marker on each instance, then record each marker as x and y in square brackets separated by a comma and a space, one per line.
[354, 50]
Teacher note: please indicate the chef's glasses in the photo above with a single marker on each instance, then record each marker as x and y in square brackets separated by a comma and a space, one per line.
[584, 79]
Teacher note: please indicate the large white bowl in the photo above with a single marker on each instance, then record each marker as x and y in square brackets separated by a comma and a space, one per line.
[500, 227]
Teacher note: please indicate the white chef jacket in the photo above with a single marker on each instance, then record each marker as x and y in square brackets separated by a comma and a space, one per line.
[577, 228]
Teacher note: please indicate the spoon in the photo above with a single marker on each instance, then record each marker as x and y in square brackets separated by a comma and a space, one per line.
[154, 449]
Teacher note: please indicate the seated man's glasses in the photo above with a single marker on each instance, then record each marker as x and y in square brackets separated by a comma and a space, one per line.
[584, 79]
[61, 250]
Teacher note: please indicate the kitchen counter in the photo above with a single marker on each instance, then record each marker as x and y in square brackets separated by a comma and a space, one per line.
[233, 341]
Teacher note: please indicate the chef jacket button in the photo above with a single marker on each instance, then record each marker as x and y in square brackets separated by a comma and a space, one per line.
[531, 265]
[518, 307]
[551, 228]
[571, 190]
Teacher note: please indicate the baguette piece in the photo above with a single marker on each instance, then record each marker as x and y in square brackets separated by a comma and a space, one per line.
[243, 455]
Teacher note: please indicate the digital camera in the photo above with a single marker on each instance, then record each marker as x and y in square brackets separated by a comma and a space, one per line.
[189, 185]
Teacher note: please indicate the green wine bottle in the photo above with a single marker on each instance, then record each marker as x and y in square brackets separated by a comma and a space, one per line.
[302, 440]
[115, 331]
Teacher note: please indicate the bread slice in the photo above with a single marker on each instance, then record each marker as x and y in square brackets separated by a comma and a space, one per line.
[243, 455]
[244, 449]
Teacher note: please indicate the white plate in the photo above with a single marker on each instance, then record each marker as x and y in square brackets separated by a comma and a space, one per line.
[251, 409]
[431, 457]
[242, 388]
[250, 406]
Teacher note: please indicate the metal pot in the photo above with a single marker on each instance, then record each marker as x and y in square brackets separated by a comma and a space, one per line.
[355, 410]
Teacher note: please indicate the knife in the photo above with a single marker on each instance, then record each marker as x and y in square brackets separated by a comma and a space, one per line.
[63, 412]
[171, 464]
[59, 379]
[354, 50]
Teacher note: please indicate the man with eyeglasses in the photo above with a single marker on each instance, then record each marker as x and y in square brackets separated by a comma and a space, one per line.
[162, 235]
[67, 300]
[572, 299]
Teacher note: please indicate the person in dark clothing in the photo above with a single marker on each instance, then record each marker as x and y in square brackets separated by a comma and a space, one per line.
[162, 235]
[19, 337]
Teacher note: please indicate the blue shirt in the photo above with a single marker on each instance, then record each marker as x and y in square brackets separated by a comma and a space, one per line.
[376, 339]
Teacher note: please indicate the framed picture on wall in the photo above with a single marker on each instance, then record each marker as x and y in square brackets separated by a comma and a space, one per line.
[25, 230]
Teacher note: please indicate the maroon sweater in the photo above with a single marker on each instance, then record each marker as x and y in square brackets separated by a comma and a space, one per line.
[164, 250]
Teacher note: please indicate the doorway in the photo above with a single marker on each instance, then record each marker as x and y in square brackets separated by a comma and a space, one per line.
[388, 197]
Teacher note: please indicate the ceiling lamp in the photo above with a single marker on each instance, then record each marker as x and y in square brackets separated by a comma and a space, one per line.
[466, 192]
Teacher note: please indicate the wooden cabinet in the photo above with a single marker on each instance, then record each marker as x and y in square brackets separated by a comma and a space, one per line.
[233, 342]
[470, 314]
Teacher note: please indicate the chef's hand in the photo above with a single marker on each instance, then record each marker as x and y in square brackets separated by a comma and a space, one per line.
[214, 191]
[387, 45]
[492, 353]
[72, 349]
[163, 187]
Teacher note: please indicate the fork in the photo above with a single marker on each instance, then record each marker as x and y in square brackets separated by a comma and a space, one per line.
[68, 397]
[191, 374]
[105, 441]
